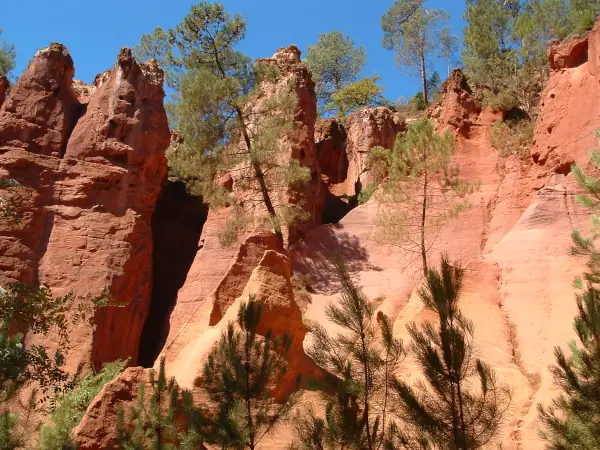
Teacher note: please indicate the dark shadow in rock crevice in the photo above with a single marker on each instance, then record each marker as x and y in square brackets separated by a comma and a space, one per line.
[177, 225]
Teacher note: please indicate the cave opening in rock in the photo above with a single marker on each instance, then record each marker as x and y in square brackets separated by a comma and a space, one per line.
[176, 228]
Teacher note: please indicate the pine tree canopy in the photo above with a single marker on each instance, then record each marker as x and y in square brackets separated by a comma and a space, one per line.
[335, 63]
[231, 115]
[360, 94]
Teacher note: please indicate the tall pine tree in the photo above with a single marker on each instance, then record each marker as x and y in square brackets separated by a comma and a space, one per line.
[415, 34]
[363, 357]
[231, 115]
[422, 191]
[459, 404]
[239, 376]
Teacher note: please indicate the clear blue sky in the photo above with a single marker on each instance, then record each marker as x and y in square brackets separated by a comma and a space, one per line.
[95, 31]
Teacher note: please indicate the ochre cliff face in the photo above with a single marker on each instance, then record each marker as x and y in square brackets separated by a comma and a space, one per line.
[91, 165]
[514, 240]
[4, 85]
[86, 207]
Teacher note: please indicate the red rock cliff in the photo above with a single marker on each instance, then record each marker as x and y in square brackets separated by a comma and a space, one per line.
[88, 179]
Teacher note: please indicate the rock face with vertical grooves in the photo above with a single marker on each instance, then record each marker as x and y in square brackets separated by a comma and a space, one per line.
[42, 108]
[86, 185]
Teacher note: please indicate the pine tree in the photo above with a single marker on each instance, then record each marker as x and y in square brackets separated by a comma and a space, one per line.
[422, 191]
[459, 404]
[488, 56]
[7, 57]
[239, 376]
[360, 94]
[169, 421]
[363, 358]
[335, 63]
[414, 33]
[231, 116]
[572, 421]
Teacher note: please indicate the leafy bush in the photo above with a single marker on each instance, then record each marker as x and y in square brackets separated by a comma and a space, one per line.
[512, 137]
[72, 406]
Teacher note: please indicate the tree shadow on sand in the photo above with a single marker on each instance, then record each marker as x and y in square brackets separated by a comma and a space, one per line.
[312, 257]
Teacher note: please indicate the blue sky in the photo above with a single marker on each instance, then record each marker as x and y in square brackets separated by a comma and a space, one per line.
[95, 31]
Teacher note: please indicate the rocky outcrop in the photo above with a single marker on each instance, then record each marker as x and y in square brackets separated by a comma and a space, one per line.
[120, 127]
[367, 128]
[84, 223]
[458, 110]
[42, 109]
[4, 85]
[568, 54]
[343, 151]
[269, 281]
[299, 143]
[567, 123]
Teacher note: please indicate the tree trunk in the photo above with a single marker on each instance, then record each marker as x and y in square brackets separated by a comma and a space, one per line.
[260, 177]
[423, 223]
[366, 370]
[250, 422]
[424, 77]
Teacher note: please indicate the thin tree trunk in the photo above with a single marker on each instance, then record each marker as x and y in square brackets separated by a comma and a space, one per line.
[260, 176]
[251, 444]
[423, 223]
[367, 391]
[463, 430]
[424, 76]
[455, 425]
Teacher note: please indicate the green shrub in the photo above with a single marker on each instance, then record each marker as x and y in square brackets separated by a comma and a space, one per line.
[417, 102]
[71, 407]
[512, 137]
